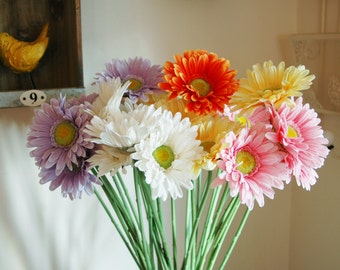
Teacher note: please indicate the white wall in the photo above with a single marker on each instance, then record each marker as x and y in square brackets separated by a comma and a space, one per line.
[315, 226]
[246, 32]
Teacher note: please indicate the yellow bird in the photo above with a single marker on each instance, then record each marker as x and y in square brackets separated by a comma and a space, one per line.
[22, 56]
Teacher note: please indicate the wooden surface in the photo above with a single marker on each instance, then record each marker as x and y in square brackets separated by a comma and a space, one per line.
[61, 66]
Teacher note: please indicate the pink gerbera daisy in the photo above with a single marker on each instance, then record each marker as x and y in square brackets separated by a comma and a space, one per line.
[297, 129]
[252, 165]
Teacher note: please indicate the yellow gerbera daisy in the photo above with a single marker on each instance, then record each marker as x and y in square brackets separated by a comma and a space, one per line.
[270, 84]
[211, 130]
[173, 105]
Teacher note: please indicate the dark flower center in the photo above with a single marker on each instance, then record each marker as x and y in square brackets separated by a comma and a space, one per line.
[207, 145]
[64, 133]
[136, 83]
[164, 156]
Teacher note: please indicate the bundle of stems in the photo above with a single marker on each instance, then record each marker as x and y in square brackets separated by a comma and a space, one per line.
[139, 220]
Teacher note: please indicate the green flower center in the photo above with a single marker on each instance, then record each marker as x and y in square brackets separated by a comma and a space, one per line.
[135, 84]
[164, 156]
[201, 86]
[64, 133]
[291, 132]
[246, 161]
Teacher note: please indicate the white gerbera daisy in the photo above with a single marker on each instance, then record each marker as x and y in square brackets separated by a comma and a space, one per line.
[110, 91]
[167, 156]
[117, 134]
[109, 160]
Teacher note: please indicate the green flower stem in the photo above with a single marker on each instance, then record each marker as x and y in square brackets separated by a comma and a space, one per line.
[194, 233]
[151, 239]
[141, 223]
[188, 226]
[126, 194]
[116, 225]
[226, 220]
[159, 211]
[209, 221]
[120, 209]
[158, 225]
[235, 239]
[207, 238]
[126, 223]
[195, 225]
[174, 233]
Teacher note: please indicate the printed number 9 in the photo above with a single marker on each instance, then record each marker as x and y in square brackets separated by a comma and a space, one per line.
[32, 98]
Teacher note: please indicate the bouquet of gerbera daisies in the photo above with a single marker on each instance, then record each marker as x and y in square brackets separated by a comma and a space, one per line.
[188, 129]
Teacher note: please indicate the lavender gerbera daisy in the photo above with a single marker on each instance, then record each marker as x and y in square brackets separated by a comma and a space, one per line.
[142, 75]
[59, 141]
[72, 182]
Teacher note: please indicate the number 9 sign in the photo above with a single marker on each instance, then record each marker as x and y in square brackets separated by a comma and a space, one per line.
[33, 98]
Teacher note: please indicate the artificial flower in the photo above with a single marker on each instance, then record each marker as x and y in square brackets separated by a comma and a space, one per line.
[251, 165]
[61, 146]
[270, 84]
[173, 127]
[297, 129]
[72, 182]
[140, 73]
[57, 135]
[211, 130]
[118, 127]
[202, 79]
[167, 156]
[108, 90]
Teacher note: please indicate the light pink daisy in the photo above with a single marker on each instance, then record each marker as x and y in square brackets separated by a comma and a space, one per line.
[297, 129]
[252, 165]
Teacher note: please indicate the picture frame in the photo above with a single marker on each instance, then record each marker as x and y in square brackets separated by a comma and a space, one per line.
[320, 53]
[60, 69]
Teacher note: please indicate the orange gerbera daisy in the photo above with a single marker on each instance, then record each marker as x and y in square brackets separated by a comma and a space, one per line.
[202, 79]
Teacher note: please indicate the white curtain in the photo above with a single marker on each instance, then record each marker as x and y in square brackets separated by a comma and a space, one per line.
[40, 229]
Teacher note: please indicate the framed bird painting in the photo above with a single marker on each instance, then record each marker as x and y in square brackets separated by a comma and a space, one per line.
[40, 51]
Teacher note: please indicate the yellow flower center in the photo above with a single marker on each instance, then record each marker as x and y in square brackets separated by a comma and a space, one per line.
[135, 84]
[164, 156]
[64, 133]
[291, 132]
[246, 161]
[242, 119]
[201, 86]
[207, 145]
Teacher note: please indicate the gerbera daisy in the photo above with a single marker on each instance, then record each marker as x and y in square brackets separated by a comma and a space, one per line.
[270, 84]
[297, 129]
[117, 129]
[202, 79]
[142, 75]
[72, 182]
[211, 130]
[61, 146]
[111, 90]
[167, 156]
[252, 165]
[57, 135]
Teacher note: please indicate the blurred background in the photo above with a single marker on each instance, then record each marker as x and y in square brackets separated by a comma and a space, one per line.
[297, 230]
